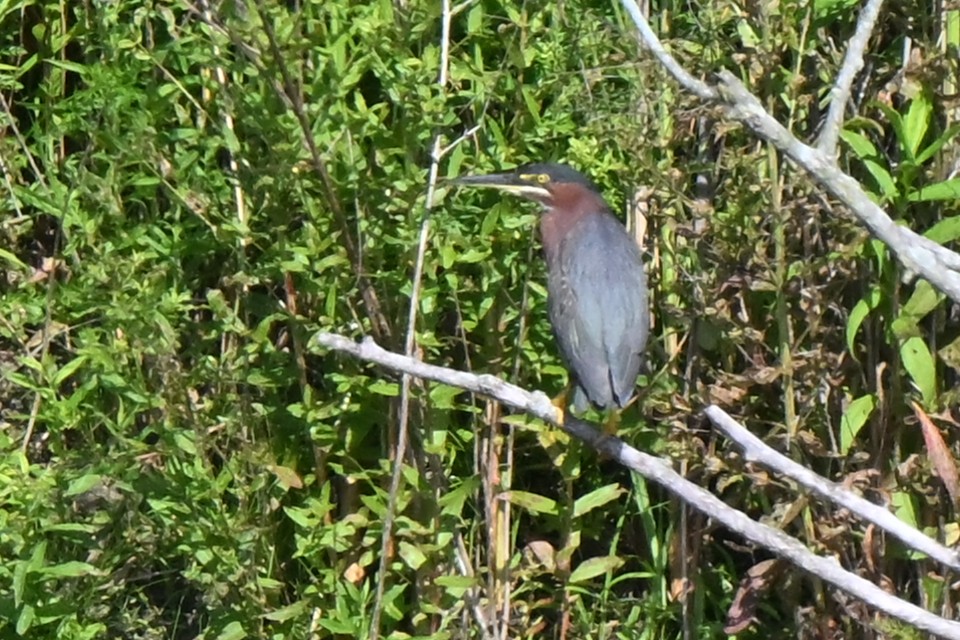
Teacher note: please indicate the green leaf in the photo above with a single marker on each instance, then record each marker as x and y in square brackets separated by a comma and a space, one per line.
[72, 569]
[904, 508]
[68, 370]
[532, 106]
[748, 37]
[856, 415]
[531, 502]
[384, 388]
[878, 170]
[916, 122]
[185, 442]
[456, 586]
[594, 567]
[895, 119]
[233, 631]
[12, 259]
[596, 498]
[411, 555]
[859, 313]
[944, 231]
[922, 301]
[490, 221]
[83, 484]
[933, 148]
[288, 612]
[946, 190]
[25, 620]
[861, 145]
[20, 571]
[919, 363]
[475, 19]
[451, 503]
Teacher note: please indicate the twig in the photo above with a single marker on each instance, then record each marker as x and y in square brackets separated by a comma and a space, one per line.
[937, 264]
[755, 450]
[409, 346]
[657, 470]
[378, 321]
[852, 64]
[697, 87]
[228, 123]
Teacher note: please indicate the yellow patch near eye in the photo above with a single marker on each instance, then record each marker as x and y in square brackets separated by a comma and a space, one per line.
[542, 178]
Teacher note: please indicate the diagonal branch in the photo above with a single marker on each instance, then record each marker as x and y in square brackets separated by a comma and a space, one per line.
[919, 255]
[657, 470]
[852, 63]
[754, 449]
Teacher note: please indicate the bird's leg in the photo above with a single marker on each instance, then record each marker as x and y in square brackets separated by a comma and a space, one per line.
[560, 402]
[612, 423]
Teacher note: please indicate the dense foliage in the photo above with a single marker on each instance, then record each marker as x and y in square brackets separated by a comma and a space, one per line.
[191, 191]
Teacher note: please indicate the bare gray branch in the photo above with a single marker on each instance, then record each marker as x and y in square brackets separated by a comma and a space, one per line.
[658, 470]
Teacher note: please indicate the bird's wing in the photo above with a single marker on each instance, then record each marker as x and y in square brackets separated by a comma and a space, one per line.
[603, 309]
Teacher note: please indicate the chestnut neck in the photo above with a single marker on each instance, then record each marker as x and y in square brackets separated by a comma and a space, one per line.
[557, 223]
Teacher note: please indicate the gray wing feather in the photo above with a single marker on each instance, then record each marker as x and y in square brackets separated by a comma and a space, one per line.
[599, 309]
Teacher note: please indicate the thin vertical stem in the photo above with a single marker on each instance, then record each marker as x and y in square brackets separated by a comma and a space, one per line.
[410, 341]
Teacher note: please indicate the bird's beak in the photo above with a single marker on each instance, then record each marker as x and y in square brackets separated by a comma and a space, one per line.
[508, 182]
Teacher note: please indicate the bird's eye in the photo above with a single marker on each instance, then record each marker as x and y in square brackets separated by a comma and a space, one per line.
[543, 178]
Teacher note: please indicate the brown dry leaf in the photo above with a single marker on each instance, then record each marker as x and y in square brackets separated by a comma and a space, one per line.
[286, 476]
[47, 268]
[812, 444]
[764, 374]
[726, 396]
[943, 463]
[540, 554]
[758, 579]
[792, 512]
[354, 574]
[909, 468]
[860, 480]
[52, 330]
[872, 546]
[679, 588]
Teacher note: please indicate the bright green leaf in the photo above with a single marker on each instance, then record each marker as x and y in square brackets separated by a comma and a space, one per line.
[854, 418]
[288, 612]
[596, 498]
[594, 567]
[919, 363]
[531, 502]
[233, 631]
[859, 313]
[83, 484]
[68, 370]
[72, 569]
[946, 190]
[411, 555]
[916, 121]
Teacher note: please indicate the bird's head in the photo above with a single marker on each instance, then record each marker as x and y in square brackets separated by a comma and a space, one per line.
[547, 184]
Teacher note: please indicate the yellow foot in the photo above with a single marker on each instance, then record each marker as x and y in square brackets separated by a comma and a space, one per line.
[560, 402]
[561, 415]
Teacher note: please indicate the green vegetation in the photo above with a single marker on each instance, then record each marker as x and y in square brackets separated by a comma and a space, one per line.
[189, 194]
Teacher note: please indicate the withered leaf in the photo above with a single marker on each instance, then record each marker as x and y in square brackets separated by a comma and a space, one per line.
[758, 579]
[943, 463]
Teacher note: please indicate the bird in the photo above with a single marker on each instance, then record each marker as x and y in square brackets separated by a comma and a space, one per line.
[596, 284]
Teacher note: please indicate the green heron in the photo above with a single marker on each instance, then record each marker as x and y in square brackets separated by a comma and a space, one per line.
[597, 289]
